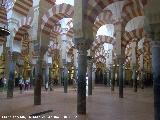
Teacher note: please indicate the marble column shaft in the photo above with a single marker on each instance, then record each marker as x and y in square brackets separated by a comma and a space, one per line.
[12, 65]
[156, 77]
[38, 82]
[134, 77]
[112, 77]
[65, 78]
[81, 90]
[89, 77]
[124, 76]
[120, 60]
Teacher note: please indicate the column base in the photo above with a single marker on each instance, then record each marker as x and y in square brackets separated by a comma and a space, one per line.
[9, 95]
[37, 100]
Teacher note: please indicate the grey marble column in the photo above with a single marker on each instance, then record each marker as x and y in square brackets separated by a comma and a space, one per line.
[142, 78]
[38, 82]
[156, 77]
[89, 76]
[12, 64]
[81, 90]
[93, 79]
[124, 76]
[120, 60]
[112, 77]
[109, 78]
[65, 79]
[134, 77]
[39, 76]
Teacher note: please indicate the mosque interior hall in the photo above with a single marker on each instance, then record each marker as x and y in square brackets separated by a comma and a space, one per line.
[80, 59]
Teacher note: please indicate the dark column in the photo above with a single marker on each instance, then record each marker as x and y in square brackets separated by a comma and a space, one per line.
[134, 77]
[124, 76]
[156, 77]
[112, 77]
[39, 79]
[89, 76]
[12, 65]
[109, 80]
[120, 60]
[65, 78]
[81, 90]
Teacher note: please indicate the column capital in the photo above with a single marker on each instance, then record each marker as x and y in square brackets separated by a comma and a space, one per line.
[82, 44]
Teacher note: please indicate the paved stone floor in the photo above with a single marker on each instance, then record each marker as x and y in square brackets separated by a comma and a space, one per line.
[102, 105]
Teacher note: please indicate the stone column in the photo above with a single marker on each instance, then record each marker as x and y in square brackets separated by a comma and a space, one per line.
[111, 72]
[120, 51]
[93, 77]
[12, 64]
[142, 69]
[109, 77]
[120, 61]
[134, 77]
[81, 90]
[40, 49]
[152, 12]
[156, 76]
[64, 58]
[38, 82]
[124, 76]
[83, 34]
[133, 64]
[113, 77]
[39, 75]
[90, 75]
[65, 79]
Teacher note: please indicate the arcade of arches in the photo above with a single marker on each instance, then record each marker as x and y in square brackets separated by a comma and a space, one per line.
[115, 43]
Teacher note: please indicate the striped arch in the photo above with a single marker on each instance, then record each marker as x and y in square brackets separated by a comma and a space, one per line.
[101, 40]
[53, 15]
[55, 31]
[70, 24]
[52, 2]
[127, 61]
[70, 29]
[144, 2]
[131, 10]
[102, 19]
[129, 36]
[100, 59]
[70, 47]
[22, 27]
[3, 19]
[128, 50]
[3, 15]
[100, 55]
[70, 33]
[22, 6]
[95, 7]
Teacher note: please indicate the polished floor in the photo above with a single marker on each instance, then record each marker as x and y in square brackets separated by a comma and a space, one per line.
[102, 105]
